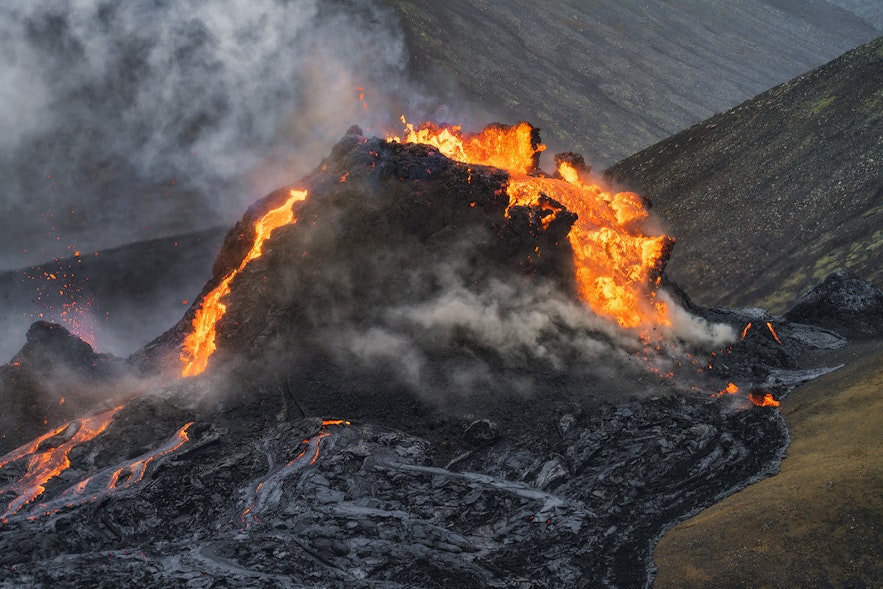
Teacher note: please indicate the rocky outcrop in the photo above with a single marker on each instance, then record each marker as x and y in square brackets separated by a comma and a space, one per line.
[844, 303]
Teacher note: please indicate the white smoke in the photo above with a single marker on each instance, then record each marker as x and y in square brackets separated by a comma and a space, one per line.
[129, 120]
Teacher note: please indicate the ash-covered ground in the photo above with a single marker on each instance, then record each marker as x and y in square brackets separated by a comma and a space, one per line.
[481, 426]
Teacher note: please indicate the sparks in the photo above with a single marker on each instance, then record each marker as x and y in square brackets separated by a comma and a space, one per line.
[616, 263]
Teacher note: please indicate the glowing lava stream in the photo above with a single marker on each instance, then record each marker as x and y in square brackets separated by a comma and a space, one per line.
[110, 480]
[199, 345]
[616, 262]
[45, 464]
[269, 489]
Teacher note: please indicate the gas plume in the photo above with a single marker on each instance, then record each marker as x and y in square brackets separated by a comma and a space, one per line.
[126, 121]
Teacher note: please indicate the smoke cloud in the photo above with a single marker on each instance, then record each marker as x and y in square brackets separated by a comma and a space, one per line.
[129, 120]
[513, 336]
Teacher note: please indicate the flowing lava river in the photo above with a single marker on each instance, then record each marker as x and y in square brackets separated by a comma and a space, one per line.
[227, 479]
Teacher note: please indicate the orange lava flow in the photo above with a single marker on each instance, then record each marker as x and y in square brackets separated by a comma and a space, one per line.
[45, 464]
[200, 344]
[763, 399]
[138, 467]
[745, 331]
[508, 148]
[773, 333]
[616, 261]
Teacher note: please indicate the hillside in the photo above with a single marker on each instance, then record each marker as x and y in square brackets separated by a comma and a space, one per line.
[771, 196]
[819, 519]
[119, 298]
[609, 78]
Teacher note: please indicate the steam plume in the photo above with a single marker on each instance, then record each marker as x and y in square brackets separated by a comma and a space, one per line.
[124, 121]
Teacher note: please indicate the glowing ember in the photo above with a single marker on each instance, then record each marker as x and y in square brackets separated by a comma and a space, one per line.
[731, 389]
[61, 296]
[773, 333]
[199, 345]
[762, 399]
[46, 463]
[617, 263]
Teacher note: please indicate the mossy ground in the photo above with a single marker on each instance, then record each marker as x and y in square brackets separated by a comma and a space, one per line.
[819, 522]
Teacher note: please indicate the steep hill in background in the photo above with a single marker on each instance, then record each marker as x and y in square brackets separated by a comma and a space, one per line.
[768, 198]
[608, 78]
[122, 297]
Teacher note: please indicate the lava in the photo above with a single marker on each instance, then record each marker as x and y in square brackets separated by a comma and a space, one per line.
[46, 462]
[730, 389]
[200, 344]
[266, 490]
[773, 333]
[115, 478]
[616, 263]
[762, 399]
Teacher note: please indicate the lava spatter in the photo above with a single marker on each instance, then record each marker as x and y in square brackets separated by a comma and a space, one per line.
[616, 261]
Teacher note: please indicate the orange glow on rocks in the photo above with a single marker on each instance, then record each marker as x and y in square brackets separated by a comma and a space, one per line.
[762, 399]
[46, 461]
[617, 262]
[200, 344]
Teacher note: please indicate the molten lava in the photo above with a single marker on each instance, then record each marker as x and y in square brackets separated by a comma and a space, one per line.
[773, 333]
[617, 263]
[200, 344]
[46, 462]
[267, 489]
[731, 389]
[762, 399]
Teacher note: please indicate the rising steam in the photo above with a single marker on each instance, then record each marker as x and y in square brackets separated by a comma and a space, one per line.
[124, 121]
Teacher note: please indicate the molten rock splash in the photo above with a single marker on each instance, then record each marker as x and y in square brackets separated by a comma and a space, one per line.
[443, 260]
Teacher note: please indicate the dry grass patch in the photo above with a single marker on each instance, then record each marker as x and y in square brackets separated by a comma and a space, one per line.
[819, 522]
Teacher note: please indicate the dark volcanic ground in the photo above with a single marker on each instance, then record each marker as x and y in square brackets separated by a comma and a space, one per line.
[448, 472]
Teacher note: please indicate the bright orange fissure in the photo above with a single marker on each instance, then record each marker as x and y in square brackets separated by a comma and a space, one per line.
[200, 344]
[616, 260]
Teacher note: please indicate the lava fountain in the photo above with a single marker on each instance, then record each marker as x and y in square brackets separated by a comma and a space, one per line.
[617, 263]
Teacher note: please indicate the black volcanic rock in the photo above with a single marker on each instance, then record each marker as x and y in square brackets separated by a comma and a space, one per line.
[54, 378]
[773, 195]
[406, 393]
[844, 303]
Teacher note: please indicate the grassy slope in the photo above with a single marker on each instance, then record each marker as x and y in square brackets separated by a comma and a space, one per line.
[819, 523]
[770, 197]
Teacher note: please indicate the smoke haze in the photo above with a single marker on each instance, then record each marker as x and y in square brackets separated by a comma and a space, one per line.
[126, 121]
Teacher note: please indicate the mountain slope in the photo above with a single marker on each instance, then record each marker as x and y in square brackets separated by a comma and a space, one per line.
[768, 198]
[608, 78]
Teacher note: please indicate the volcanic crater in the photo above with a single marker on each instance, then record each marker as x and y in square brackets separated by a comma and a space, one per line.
[411, 386]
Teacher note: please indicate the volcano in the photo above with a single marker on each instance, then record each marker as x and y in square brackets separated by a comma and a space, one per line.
[420, 365]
